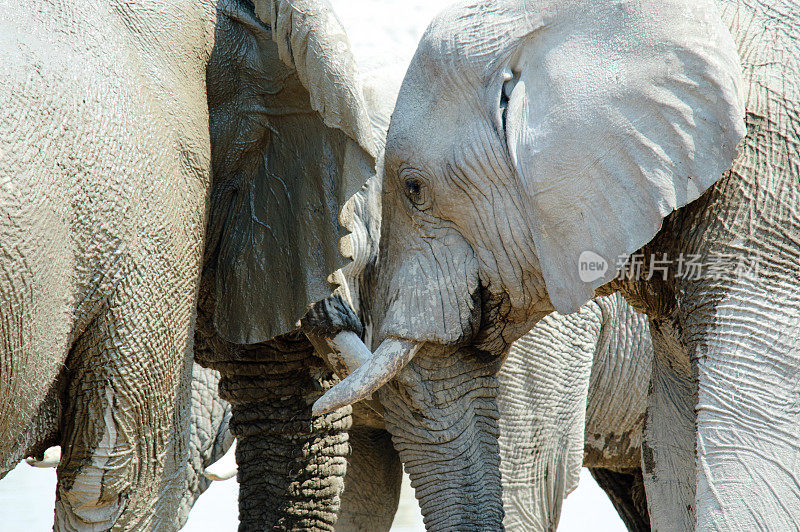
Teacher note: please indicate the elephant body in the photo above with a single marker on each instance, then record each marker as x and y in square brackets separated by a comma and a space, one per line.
[102, 232]
[209, 438]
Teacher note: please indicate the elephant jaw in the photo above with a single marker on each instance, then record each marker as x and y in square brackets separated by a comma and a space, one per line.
[367, 373]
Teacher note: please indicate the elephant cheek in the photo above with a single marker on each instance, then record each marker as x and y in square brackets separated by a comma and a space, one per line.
[443, 416]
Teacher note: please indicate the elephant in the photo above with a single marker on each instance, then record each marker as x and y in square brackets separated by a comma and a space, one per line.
[209, 440]
[537, 154]
[547, 398]
[145, 145]
[291, 142]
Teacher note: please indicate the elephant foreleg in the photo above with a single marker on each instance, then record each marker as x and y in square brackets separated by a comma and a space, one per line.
[123, 446]
[746, 349]
[668, 450]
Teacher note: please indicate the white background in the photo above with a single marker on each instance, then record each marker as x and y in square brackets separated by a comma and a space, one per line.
[381, 32]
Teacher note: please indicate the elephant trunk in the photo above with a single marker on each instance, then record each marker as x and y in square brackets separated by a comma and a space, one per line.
[443, 416]
[291, 464]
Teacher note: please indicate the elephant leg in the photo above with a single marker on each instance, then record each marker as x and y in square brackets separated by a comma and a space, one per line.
[668, 450]
[291, 464]
[625, 489]
[124, 425]
[372, 484]
[745, 343]
[35, 326]
[209, 437]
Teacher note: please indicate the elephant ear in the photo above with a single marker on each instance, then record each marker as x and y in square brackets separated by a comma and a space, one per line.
[291, 142]
[617, 114]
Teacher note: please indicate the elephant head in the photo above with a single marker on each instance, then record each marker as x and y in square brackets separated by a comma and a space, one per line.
[527, 140]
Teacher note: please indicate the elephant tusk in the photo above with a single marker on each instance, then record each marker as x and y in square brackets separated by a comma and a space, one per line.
[390, 357]
[225, 467]
[50, 458]
[346, 351]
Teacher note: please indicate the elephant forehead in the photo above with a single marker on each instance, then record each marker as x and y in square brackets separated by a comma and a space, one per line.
[430, 127]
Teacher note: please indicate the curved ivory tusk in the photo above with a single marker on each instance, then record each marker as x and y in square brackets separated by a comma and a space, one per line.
[390, 357]
[344, 352]
[50, 458]
[349, 350]
[225, 467]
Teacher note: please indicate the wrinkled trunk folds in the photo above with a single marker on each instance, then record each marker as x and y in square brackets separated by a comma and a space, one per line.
[443, 416]
[291, 464]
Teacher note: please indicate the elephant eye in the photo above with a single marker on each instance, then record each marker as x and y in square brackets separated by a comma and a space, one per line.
[413, 187]
[416, 190]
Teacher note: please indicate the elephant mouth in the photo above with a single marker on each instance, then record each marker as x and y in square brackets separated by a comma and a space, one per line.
[365, 371]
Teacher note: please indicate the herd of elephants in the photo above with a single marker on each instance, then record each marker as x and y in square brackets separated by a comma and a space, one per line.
[566, 234]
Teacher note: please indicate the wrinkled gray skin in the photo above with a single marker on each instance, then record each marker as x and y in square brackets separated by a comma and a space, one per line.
[209, 437]
[374, 470]
[108, 137]
[103, 180]
[458, 250]
[573, 393]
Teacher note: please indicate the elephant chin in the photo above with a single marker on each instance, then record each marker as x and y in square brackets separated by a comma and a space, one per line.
[443, 416]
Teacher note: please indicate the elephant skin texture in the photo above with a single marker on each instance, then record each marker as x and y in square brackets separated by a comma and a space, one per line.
[103, 183]
[532, 152]
[572, 393]
[209, 439]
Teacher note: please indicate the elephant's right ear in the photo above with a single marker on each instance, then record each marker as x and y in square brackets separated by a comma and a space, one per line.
[616, 114]
[291, 142]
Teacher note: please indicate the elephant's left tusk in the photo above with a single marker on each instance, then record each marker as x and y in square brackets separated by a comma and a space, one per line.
[225, 467]
[50, 458]
[390, 357]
